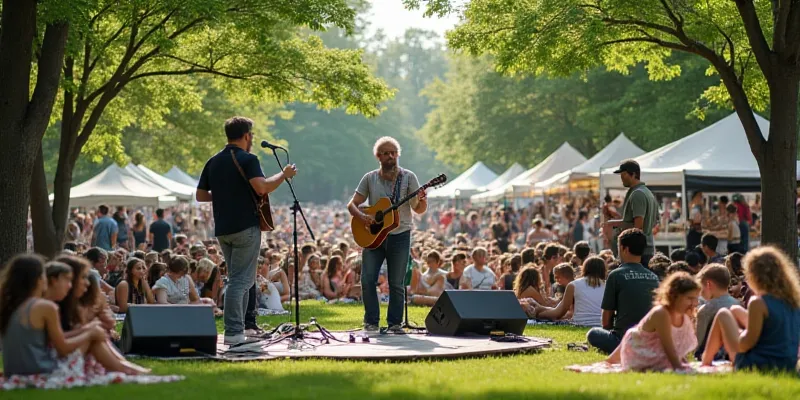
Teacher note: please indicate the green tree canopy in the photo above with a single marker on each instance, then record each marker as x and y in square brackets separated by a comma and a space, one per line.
[753, 46]
[133, 62]
[483, 115]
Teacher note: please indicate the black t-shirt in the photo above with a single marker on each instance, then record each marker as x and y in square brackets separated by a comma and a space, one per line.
[234, 210]
[629, 292]
[160, 230]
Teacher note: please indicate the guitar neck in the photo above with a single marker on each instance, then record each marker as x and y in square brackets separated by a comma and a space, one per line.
[405, 199]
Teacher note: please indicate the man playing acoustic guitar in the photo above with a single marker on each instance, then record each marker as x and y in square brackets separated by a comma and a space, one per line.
[394, 182]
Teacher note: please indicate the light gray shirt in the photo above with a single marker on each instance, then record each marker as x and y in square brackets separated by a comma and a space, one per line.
[708, 311]
[373, 188]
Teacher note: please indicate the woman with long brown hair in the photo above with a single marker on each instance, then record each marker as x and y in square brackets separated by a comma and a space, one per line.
[134, 288]
[333, 284]
[28, 346]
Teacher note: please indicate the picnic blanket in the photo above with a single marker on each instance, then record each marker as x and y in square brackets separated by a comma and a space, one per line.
[76, 370]
[718, 367]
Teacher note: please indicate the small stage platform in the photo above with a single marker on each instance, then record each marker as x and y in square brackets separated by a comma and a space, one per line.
[384, 347]
[380, 347]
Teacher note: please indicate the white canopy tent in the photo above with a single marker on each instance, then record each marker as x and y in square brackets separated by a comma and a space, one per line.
[507, 176]
[116, 186]
[716, 158]
[177, 175]
[564, 158]
[619, 149]
[179, 190]
[466, 184]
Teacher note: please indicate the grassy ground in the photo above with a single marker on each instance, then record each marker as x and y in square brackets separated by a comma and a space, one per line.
[539, 375]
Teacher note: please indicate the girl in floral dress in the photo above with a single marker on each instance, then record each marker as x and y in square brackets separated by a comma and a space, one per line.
[664, 337]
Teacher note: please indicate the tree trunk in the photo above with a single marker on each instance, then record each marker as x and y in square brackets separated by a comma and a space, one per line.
[45, 240]
[778, 166]
[16, 50]
[23, 117]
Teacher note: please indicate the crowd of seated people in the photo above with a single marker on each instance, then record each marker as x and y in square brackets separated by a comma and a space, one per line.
[580, 284]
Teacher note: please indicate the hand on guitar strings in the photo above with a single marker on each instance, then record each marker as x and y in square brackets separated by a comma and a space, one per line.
[421, 195]
[289, 171]
[367, 219]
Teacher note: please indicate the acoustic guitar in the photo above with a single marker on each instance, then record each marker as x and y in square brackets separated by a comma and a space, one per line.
[386, 216]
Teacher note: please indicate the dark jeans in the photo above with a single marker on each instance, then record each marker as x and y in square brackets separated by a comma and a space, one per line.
[603, 340]
[251, 313]
[744, 229]
[395, 250]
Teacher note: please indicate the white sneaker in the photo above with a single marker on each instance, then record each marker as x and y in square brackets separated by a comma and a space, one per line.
[233, 340]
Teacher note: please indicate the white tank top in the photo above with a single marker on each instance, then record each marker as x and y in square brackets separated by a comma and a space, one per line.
[587, 303]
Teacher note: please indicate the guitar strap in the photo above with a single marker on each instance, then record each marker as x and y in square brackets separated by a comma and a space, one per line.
[396, 193]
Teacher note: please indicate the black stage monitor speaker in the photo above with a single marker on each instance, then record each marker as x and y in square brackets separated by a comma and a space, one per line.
[169, 330]
[459, 312]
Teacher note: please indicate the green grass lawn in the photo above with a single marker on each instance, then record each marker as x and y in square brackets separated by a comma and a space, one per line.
[538, 375]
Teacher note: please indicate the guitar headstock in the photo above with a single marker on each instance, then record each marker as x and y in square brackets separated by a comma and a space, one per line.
[436, 182]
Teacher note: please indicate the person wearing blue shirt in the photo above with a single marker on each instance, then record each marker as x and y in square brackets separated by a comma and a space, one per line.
[105, 230]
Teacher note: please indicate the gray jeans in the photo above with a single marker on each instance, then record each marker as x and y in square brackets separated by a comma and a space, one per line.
[241, 256]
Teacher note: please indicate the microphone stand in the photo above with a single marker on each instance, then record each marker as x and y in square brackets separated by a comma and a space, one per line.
[298, 333]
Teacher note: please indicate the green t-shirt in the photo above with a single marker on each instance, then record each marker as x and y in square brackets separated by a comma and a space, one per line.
[629, 292]
[640, 202]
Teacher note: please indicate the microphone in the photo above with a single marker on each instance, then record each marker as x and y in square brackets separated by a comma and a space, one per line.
[266, 145]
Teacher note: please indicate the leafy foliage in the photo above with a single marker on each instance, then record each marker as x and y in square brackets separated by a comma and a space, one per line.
[483, 115]
[334, 149]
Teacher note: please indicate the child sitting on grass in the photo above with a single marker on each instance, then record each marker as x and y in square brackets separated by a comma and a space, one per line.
[666, 334]
[765, 336]
[714, 280]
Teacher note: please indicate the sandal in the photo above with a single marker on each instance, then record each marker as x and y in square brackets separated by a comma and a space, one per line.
[580, 347]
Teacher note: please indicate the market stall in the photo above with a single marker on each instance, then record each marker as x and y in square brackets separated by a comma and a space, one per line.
[564, 158]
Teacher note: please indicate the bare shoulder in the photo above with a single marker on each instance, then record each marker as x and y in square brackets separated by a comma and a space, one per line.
[659, 315]
[757, 303]
[44, 307]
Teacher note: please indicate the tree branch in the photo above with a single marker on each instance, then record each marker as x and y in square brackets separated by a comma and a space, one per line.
[731, 49]
[793, 34]
[155, 27]
[48, 76]
[678, 21]
[101, 12]
[755, 36]
[644, 24]
[105, 45]
[781, 18]
[651, 39]
[142, 60]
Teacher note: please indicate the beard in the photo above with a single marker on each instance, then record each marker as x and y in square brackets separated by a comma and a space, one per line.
[388, 166]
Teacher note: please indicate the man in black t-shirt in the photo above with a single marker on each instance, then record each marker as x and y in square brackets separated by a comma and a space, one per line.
[229, 181]
[628, 295]
[160, 232]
